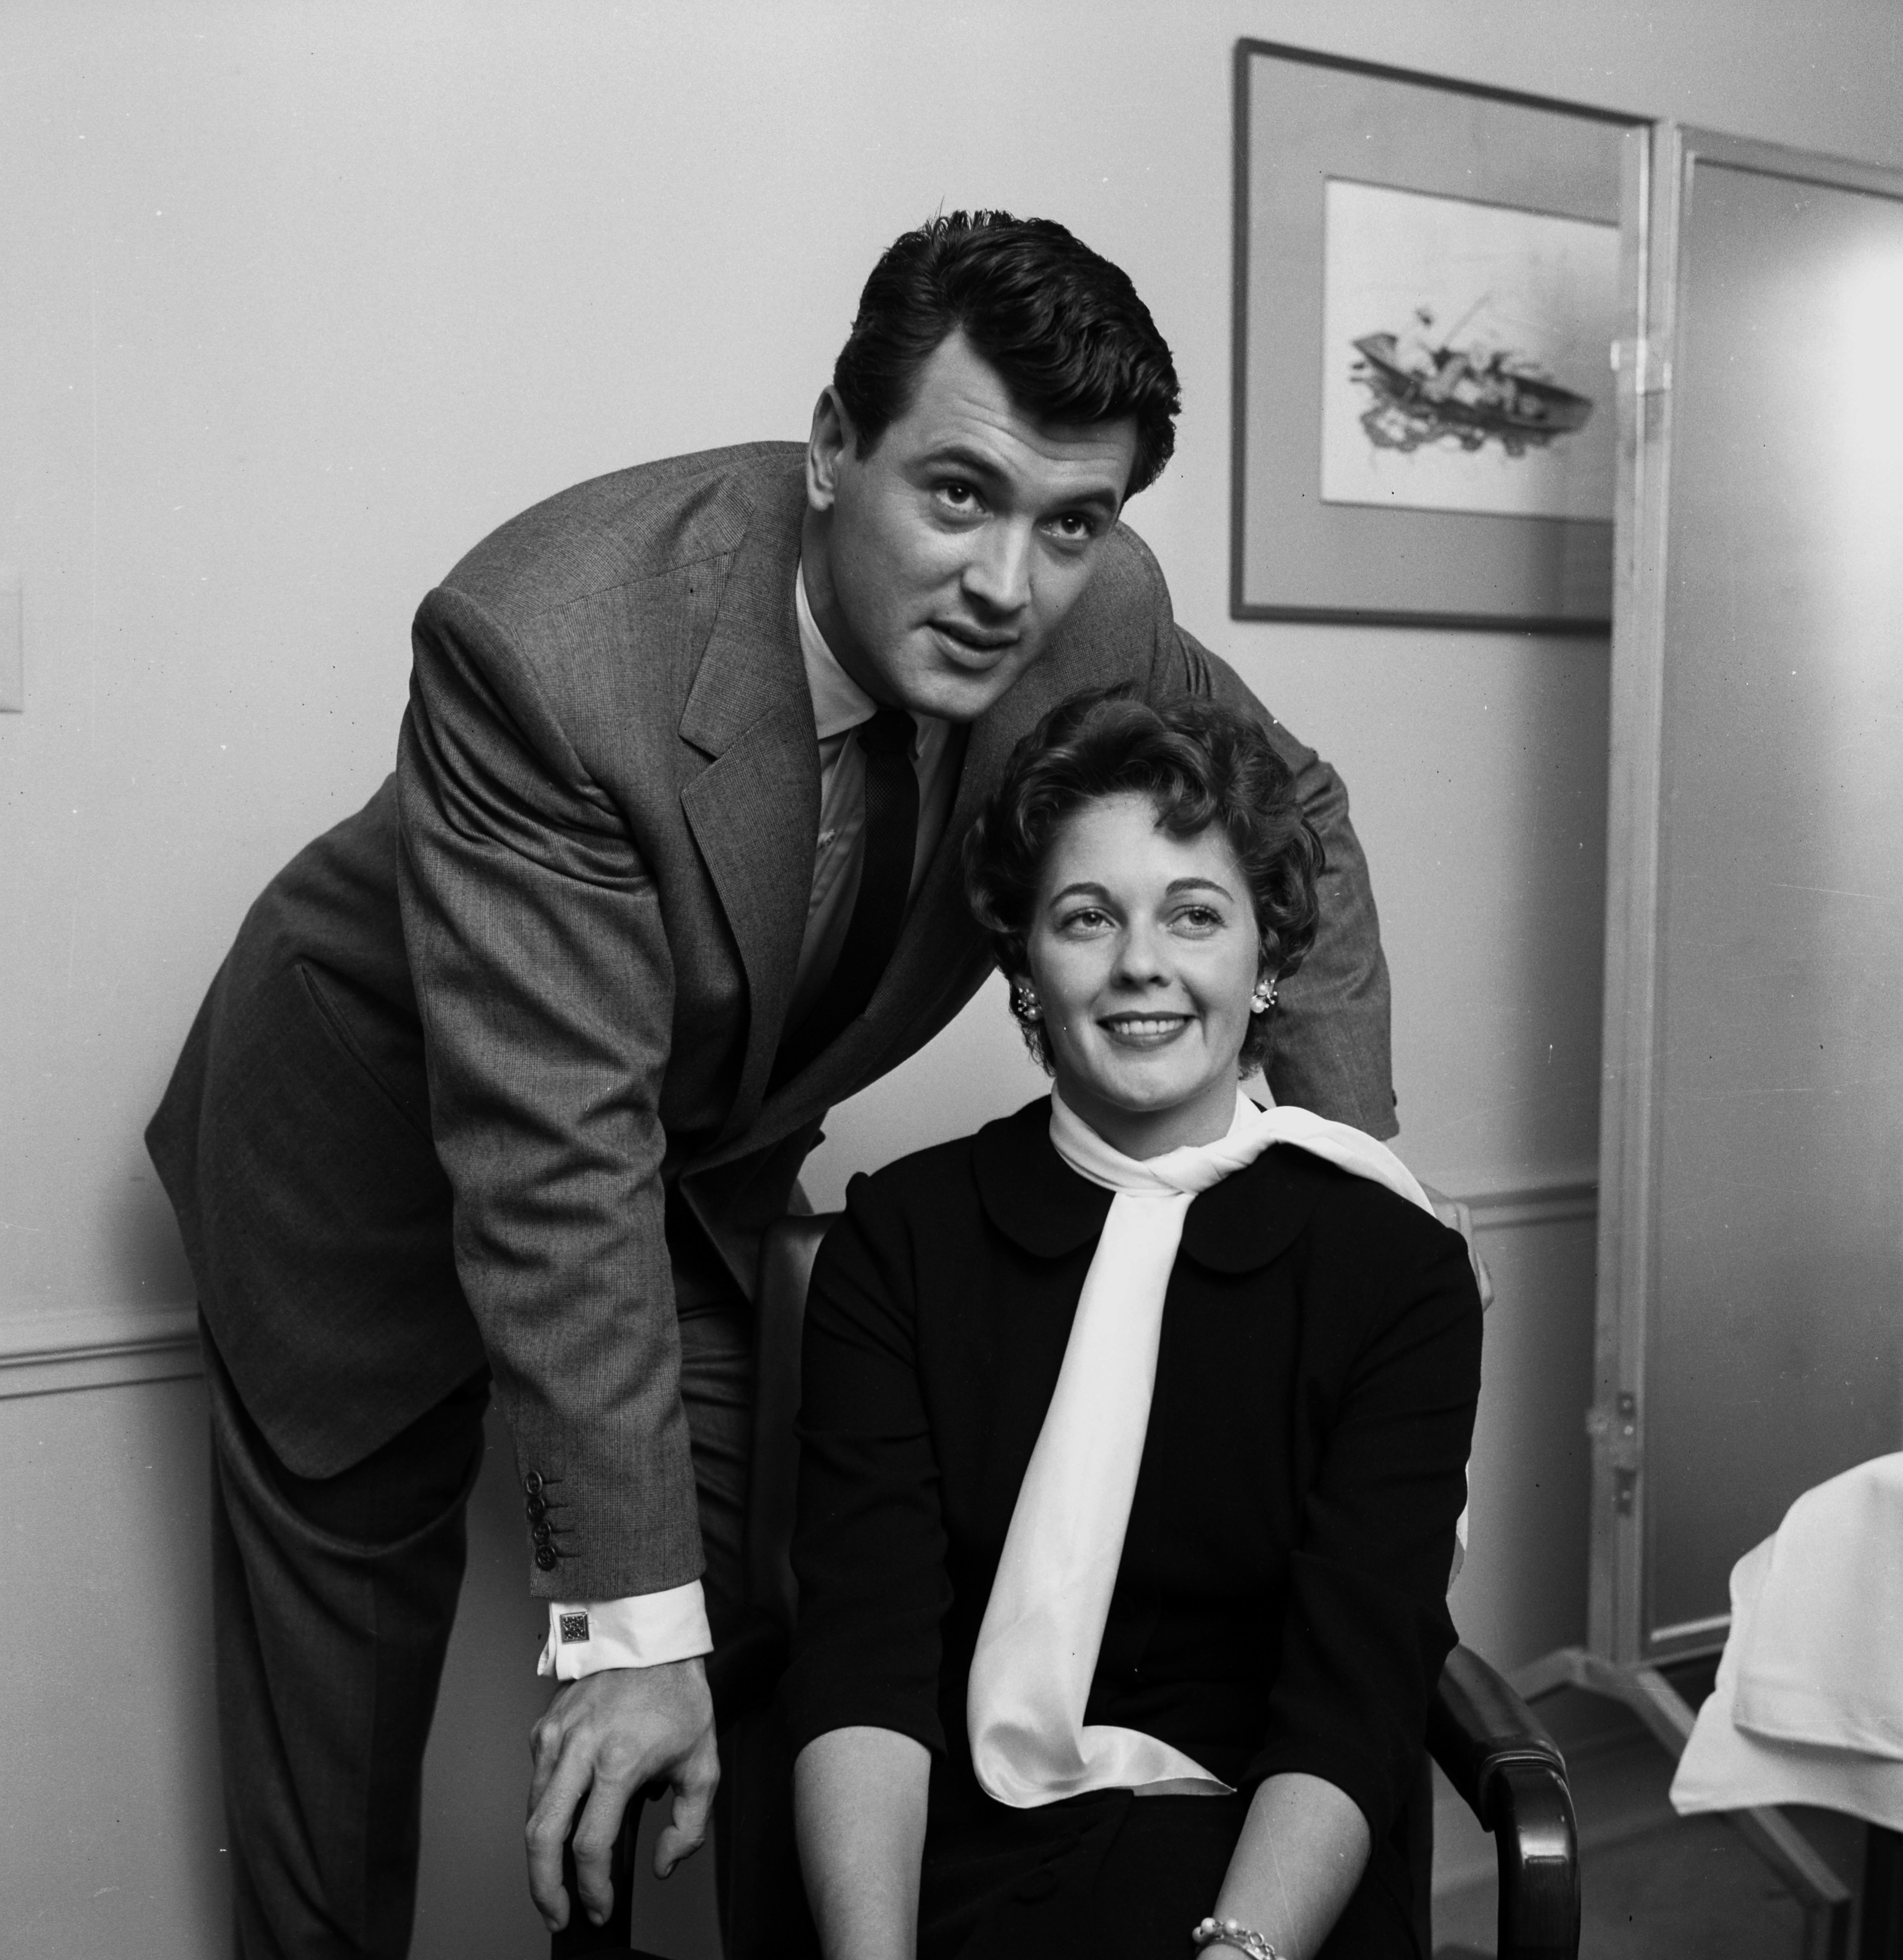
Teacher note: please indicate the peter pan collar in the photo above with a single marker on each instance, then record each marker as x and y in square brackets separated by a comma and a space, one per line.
[1041, 1204]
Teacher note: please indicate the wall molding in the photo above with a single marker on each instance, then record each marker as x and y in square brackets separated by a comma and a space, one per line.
[1565, 1198]
[52, 1352]
[46, 1353]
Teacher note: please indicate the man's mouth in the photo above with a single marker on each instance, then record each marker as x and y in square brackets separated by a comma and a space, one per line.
[975, 640]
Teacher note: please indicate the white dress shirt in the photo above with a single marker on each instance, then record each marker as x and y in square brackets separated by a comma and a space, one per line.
[649, 1628]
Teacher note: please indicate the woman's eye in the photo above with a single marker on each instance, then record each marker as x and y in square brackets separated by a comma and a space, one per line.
[1086, 919]
[1200, 918]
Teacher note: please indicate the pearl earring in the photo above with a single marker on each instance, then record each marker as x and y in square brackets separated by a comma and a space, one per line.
[1264, 997]
[1025, 1004]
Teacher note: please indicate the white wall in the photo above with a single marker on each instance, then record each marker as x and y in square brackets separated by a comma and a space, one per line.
[301, 300]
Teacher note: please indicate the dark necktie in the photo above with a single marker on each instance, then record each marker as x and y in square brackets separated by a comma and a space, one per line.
[888, 844]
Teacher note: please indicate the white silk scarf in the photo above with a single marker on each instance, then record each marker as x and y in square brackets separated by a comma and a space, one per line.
[1043, 1626]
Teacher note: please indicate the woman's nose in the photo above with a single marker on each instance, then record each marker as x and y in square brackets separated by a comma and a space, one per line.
[1142, 956]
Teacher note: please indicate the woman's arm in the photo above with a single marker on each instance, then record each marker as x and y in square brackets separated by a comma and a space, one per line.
[1365, 1629]
[1303, 1847]
[859, 1805]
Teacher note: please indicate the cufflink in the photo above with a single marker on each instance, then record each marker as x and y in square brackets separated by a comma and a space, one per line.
[573, 1628]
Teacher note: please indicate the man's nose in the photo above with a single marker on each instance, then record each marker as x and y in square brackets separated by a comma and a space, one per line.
[998, 573]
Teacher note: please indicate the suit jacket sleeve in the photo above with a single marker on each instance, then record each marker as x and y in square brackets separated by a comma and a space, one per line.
[536, 939]
[1331, 1037]
[1331, 1053]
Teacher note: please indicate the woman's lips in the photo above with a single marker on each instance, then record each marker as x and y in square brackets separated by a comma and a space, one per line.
[1143, 1030]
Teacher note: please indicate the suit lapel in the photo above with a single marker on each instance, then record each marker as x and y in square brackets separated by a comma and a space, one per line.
[941, 953]
[755, 809]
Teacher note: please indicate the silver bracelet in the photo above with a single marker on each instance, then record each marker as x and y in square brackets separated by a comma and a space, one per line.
[1232, 1933]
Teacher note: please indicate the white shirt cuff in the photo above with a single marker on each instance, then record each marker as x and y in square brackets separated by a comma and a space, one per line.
[646, 1630]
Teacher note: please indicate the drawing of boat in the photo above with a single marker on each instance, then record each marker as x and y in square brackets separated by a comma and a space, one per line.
[1428, 392]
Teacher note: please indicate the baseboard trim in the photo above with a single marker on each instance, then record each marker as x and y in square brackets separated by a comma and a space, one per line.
[53, 1353]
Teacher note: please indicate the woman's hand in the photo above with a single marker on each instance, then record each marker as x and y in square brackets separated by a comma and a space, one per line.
[859, 1804]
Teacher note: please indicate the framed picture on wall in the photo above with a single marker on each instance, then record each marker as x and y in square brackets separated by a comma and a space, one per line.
[1429, 283]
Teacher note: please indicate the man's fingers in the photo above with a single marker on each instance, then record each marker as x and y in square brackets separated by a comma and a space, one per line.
[546, 1735]
[562, 1787]
[694, 1783]
[594, 1843]
[602, 1737]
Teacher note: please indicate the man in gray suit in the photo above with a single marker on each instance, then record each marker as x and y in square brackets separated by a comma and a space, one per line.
[505, 1076]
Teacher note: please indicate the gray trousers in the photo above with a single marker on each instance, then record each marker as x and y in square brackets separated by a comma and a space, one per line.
[333, 1603]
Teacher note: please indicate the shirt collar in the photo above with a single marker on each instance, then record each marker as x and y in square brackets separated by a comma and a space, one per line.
[839, 703]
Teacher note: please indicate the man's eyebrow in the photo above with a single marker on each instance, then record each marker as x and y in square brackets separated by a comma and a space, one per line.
[967, 457]
[1106, 497]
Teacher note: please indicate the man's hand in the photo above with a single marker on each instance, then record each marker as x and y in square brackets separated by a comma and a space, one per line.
[603, 1738]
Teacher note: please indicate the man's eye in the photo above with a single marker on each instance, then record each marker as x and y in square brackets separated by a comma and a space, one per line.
[1073, 527]
[959, 496]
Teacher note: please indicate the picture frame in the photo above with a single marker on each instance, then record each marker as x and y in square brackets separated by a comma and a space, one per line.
[1429, 275]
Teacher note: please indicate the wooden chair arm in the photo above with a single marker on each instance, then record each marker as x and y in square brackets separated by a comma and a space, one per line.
[1510, 1772]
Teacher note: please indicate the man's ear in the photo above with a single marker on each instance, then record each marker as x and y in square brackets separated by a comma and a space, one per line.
[827, 448]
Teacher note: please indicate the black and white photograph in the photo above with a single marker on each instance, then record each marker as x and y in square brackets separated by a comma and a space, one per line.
[951, 980]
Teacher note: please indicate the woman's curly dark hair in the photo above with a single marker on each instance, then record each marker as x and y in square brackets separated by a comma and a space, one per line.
[1199, 765]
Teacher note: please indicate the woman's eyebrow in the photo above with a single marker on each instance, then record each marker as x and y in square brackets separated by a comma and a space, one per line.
[1082, 888]
[1199, 884]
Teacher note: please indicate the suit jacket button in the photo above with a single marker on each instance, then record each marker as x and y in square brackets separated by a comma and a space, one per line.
[545, 1558]
[542, 1535]
[532, 1485]
[537, 1509]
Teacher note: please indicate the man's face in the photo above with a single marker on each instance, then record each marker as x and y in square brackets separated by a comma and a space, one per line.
[939, 566]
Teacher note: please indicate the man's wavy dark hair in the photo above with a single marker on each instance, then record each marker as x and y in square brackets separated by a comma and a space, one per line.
[1063, 327]
[1199, 765]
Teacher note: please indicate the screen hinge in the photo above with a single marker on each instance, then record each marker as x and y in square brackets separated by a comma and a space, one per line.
[1646, 362]
[1617, 1431]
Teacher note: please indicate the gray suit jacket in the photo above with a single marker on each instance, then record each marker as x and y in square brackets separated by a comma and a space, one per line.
[481, 1050]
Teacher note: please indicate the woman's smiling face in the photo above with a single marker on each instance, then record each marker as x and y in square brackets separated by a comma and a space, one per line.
[1143, 950]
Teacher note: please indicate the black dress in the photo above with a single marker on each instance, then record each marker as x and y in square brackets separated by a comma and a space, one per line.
[1281, 1601]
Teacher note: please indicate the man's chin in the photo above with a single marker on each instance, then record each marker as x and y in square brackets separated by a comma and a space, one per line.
[955, 691]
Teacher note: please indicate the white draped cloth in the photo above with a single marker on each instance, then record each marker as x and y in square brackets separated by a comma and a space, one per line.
[1809, 1704]
[1043, 1626]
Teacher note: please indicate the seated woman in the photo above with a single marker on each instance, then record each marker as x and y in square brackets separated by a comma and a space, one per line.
[1134, 1427]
